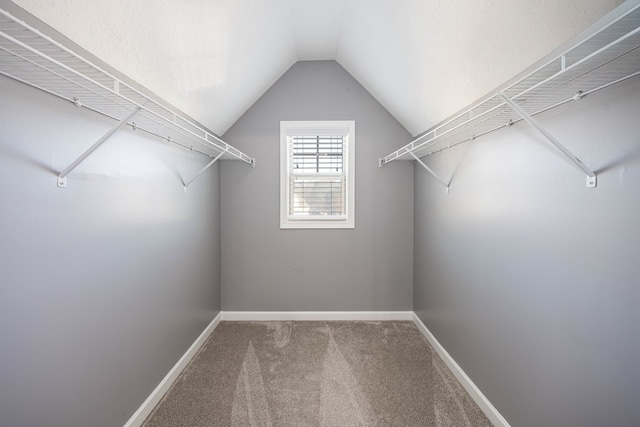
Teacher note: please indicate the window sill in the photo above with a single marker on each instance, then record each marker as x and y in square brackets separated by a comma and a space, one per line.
[313, 223]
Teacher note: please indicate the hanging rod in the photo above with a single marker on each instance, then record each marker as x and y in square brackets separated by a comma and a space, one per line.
[605, 54]
[31, 57]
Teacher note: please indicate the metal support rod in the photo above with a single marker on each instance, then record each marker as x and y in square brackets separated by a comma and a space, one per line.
[568, 154]
[95, 146]
[204, 169]
[440, 180]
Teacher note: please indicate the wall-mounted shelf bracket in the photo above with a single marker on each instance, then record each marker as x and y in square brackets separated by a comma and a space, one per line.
[211, 163]
[435, 175]
[62, 178]
[203, 170]
[591, 175]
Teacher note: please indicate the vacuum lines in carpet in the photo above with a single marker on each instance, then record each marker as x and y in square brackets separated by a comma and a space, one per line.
[320, 374]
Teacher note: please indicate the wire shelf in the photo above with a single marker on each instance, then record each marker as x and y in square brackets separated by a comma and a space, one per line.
[605, 57]
[29, 56]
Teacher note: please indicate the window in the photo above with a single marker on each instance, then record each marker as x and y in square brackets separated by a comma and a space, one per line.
[317, 174]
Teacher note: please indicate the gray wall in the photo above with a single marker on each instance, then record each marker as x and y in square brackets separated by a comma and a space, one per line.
[531, 280]
[367, 268]
[104, 284]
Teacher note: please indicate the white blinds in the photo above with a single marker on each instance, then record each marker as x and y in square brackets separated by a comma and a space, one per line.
[317, 178]
[319, 154]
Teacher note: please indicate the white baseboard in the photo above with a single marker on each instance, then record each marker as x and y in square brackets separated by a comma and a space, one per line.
[259, 316]
[489, 410]
[156, 395]
[145, 409]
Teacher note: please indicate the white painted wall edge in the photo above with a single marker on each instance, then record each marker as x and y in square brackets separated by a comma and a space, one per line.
[156, 395]
[258, 316]
[489, 410]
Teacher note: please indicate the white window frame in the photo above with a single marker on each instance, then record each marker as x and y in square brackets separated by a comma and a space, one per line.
[300, 128]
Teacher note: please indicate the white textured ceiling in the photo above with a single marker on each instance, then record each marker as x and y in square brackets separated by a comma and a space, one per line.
[422, 59]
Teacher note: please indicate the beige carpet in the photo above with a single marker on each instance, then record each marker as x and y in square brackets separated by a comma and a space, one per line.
[261, 374]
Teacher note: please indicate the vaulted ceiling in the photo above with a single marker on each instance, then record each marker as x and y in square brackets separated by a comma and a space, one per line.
[421, 59]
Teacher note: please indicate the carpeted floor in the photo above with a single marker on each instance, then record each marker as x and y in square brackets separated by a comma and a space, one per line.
[298, 374]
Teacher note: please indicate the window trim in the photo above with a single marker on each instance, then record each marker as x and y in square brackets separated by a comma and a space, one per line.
[302, 128]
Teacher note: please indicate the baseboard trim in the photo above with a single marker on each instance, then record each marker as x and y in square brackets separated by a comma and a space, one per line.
[258, 316]
[156, 395]
[489, 410]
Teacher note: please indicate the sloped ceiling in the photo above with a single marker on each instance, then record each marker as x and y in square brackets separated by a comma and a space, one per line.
[423, 60]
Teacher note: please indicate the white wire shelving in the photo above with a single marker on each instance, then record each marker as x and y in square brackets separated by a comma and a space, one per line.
[33, 58]
[598, 59]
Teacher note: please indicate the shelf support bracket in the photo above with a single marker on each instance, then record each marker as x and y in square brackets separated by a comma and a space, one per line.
[592, 179]
[203, 170]
[440, 180]
[62, 178]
